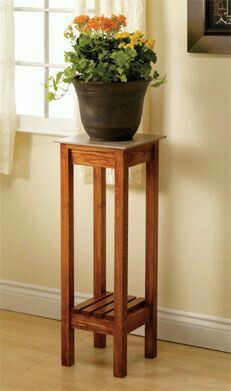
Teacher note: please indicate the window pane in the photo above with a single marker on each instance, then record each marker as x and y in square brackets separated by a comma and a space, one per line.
[90, 4]
[29, 90]
[58, 44]
[62, 4]
[29, 36]
[64, 107]
[29, 3]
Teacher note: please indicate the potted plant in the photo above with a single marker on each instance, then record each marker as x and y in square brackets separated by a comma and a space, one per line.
[111, 70]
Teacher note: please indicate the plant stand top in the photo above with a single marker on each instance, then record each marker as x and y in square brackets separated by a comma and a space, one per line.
[138, 140]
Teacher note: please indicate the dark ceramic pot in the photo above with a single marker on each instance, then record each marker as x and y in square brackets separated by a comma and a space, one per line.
[111, 111]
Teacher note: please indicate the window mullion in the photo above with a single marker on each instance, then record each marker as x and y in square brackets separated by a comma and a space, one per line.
[37, 124]
[39, 64]
[33, 9]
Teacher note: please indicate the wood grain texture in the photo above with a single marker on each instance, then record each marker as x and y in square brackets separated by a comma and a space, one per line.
[151, 261]
[137, 318]
[121, 266]
[93, 158]
[91, 301]
[94, 307]
[100, 313]
[140, 154]
[131, 306]
[107, 313]
[100, 326]
[103, 309]
[99, 234]
[67, 257]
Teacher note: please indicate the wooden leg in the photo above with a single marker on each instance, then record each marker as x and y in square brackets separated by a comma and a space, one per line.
[99, 241]
[151, 253]
[67, 257]
[121, 266]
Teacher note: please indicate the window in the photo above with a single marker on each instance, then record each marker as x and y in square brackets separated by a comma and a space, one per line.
[39, 48]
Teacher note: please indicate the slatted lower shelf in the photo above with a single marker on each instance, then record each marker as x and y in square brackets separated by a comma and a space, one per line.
[97, 314]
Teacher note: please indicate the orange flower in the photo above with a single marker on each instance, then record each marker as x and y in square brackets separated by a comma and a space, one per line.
[102, 23]
[99, 23]
[120, 19]
[94, 23]
[81, 19]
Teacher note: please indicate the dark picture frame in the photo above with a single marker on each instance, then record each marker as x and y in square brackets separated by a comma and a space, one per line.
[204, 35]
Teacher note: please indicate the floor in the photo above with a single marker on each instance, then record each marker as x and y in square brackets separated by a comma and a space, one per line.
[30, 360]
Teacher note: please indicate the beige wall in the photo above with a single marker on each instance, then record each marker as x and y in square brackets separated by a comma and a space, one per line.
[193, 110]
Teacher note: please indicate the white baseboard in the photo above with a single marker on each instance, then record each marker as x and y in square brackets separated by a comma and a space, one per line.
[173, 325]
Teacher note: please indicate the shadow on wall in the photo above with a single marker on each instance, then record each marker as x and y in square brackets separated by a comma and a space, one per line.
[195, 222]
[22, 156]
[192, 111]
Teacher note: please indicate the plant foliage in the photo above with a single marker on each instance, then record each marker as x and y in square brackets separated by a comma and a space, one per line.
[103, 52]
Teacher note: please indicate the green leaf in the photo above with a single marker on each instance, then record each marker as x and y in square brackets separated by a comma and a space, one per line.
[50, 96]
[96, 57]
[123, 78]
[156, 75]
[159, 82]
[58, 76]
[84, 40]
[89, 77]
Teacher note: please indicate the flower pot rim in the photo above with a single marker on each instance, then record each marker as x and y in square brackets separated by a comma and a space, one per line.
[75, 80]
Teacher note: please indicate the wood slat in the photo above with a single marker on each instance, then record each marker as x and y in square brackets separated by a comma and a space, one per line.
[90, 323]
[91, 301]
[93, 158]
[137, 318]
[88, 311]
[134, 304]
[100, 313]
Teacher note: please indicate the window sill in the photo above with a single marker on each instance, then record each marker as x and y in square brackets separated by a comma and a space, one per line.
[44, 126]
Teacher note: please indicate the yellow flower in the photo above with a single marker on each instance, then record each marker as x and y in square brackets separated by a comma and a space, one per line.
[139, 34]
[121, 45]
[143, 40]
[129, 45]
[122, 34]
[65, 34]
[150, 43]
[134, 39]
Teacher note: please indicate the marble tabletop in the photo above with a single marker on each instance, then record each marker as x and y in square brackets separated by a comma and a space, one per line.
[138, 139]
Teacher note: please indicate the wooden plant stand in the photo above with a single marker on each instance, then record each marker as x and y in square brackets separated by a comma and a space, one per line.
[110, 313]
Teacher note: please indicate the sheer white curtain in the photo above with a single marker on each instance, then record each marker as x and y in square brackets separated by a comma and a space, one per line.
[7, 94]
[135, 11]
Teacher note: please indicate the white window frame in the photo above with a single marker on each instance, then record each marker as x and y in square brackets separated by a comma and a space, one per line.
[45, 125]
